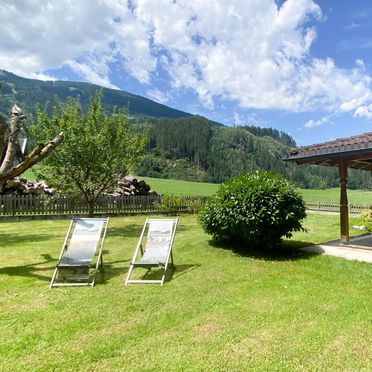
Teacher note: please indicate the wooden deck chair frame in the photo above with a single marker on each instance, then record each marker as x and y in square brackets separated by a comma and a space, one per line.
[134, 263]
[99, 263]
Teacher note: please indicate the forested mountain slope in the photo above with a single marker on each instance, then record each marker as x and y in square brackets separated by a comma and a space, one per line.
[181, 145]
[194, 149]
[27, 92]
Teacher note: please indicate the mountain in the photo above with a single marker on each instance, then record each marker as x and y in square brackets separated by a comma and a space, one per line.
[181, 145]
[27, 92]
[196, 150]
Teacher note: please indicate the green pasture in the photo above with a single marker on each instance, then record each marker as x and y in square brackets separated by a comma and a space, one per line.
[186, 188]
[181, 188]
[220, 310]
[333, 195]
[174, 187]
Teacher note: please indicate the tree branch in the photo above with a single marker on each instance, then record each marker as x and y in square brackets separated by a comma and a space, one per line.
[36, 155]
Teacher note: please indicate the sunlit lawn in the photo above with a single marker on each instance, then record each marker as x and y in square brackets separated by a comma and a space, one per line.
[176, 187]
[220, 311]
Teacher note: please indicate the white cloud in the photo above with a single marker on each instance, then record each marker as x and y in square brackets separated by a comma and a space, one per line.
[158, 96]
[251, 119]
[316, 123]
[94, 69]
[252, 52]
[364, 111]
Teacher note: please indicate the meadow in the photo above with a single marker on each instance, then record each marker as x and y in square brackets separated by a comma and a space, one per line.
[219, 310]
[187, 188]
[175, 187]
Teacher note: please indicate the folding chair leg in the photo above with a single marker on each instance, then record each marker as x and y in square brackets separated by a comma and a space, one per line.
[94, 278]
[98, 266]
[53, 278]
[171, 256]
[129, 274]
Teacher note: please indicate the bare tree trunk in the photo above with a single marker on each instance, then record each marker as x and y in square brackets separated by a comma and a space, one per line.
[35, 156]
[4, 131]
[15, 127]
[91, 208]
[9, 144]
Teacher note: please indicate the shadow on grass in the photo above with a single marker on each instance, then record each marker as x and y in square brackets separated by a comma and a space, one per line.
[31, 270]
[172, 272]
[7, 240]
[134, 230]
[289, 250]
[110, 270]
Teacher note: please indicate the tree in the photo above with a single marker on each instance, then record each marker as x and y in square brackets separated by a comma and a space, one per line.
[97, 150]
[9, 134]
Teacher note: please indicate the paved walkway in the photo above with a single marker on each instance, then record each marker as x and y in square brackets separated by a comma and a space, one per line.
[359, 248]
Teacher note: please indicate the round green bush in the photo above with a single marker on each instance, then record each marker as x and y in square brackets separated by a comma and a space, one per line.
[258, 208]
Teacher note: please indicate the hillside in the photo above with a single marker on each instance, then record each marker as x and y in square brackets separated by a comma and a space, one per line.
[27, 92]
[184, 146]
[194, 149]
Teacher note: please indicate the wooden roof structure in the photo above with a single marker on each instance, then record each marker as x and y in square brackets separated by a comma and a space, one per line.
[352, 152]
[357, 150]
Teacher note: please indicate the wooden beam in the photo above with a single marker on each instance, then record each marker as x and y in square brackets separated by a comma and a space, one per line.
[344, 209]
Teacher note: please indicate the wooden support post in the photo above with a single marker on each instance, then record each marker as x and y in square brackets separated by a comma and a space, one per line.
[344, 209]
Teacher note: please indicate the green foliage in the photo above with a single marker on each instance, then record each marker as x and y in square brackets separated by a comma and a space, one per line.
[282, 137]
[173, 205]
[96, 150]
[366, 217]
[257, 208]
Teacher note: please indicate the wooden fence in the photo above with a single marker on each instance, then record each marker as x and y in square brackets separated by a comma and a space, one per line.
[28, 205]
[322, 207]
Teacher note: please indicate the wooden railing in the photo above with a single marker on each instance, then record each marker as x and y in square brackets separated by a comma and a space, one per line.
[29, 205]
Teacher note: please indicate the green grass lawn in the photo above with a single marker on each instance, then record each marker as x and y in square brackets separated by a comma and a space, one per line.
[199, 188]
[220, 310]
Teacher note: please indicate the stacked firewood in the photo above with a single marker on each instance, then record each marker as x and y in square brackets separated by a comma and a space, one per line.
[131, 186]
[21, 186]
[126, 186]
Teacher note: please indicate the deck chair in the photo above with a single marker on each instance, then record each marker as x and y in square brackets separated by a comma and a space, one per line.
[157, 251]
[78, 252]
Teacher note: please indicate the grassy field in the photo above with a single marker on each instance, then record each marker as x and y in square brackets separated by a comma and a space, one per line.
[333, 195]
[220, 310]
[198, 188]
[176, 187]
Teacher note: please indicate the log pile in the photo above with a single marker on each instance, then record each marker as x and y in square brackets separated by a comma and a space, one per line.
[127, 186]
[21, 186]
[131, 186]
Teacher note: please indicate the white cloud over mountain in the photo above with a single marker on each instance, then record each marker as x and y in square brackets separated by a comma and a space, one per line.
[251, 52]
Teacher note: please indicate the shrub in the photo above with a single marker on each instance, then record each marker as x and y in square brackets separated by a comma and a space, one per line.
[174, 205]
[366, 216]
[258, 208]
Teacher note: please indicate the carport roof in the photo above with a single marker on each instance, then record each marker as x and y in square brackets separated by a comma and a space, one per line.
[356, 150]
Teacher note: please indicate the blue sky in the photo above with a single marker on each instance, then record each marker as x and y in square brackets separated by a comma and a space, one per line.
[301, 66]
